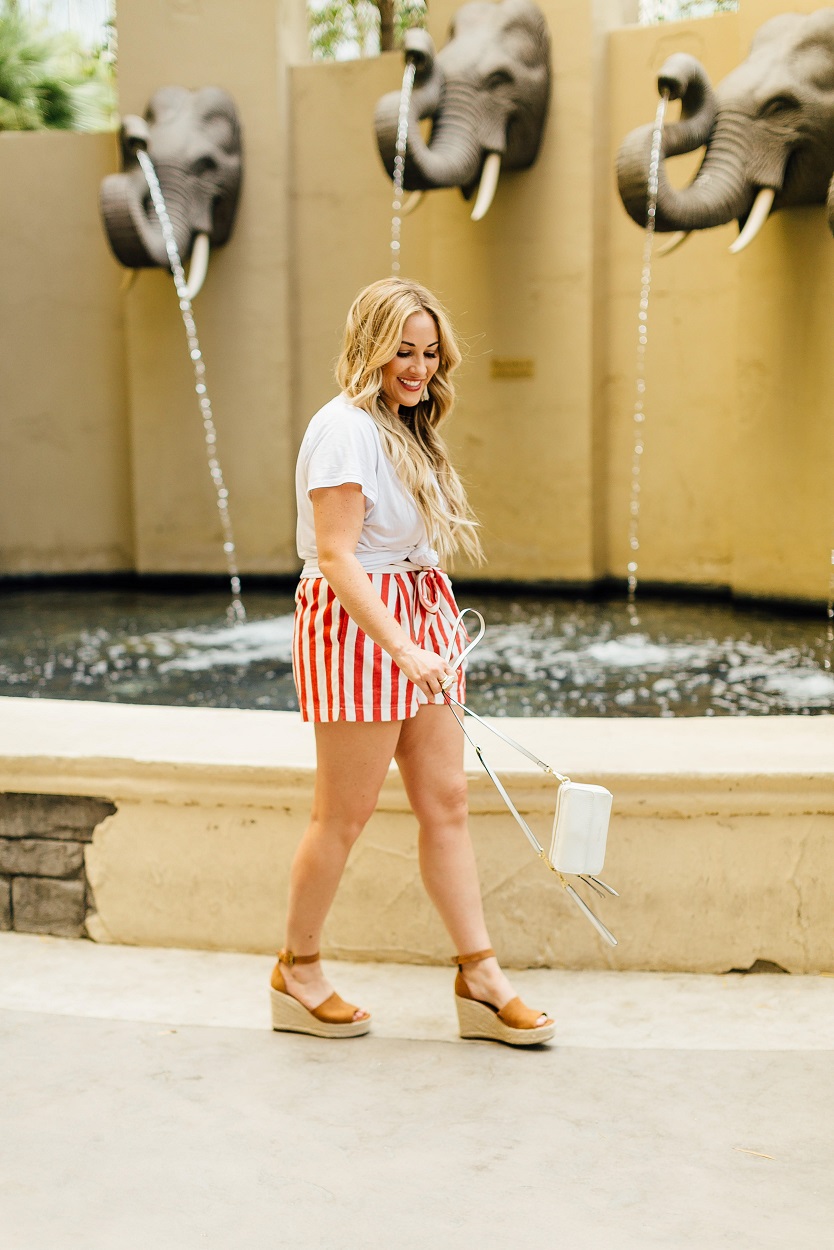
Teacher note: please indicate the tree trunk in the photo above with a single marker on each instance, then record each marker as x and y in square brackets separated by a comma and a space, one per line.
[386, 25]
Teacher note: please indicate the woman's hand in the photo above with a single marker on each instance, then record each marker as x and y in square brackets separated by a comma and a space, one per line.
[426, 669]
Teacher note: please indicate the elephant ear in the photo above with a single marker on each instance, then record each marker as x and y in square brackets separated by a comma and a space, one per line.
[779, 30]
[532, 44]
[800, 40]
[817, 49]
[216, 115]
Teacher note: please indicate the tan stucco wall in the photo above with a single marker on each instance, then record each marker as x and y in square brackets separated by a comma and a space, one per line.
[243, 313]
[784, 505]
[739, 443]
[519, 284]
[688, 472]
[64, 469]
[721, 842]
[739, 439]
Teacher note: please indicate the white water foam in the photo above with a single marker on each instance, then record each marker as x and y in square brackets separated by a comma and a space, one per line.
[802, 689]
[195, 650]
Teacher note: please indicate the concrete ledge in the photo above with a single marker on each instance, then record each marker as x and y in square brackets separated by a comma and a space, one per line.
[722, 842]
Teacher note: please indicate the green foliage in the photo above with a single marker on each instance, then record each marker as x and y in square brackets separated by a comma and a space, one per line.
[345, 29]
[337, 27]
[700, 8]
[409, 13]
[679, 10]
[49, 81]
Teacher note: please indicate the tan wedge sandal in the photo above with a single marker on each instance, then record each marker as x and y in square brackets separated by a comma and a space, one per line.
[514, 1024]
[332, 1018]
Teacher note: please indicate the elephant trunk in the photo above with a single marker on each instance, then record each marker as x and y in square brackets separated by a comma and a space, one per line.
[720, 190]
[133, 229]
[454, 155]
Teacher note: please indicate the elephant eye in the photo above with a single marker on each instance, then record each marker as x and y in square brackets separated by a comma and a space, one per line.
[499, 78]
[205, 165]
[779, 104]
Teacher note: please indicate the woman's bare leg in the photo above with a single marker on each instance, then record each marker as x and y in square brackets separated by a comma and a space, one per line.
[430, 758]
[351, 762]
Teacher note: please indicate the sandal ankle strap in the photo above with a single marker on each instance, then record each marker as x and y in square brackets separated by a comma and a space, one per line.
[474, 958]
[289, 958]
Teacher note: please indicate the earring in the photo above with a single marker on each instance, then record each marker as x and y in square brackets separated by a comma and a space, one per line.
[425, 397]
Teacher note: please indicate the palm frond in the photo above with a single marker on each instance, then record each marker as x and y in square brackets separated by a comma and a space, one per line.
[49, 80]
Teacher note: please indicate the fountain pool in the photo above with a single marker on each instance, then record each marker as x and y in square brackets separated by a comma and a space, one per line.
[552, 657]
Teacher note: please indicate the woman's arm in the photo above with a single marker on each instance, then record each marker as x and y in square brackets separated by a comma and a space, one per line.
[339, 514]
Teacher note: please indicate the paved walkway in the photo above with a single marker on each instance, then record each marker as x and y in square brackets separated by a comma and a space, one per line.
[145, 1104]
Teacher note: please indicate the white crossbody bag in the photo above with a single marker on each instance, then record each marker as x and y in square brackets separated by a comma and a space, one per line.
[580, 821]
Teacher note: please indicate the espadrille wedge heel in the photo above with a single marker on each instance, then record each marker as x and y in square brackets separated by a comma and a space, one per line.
[332, 1018]
[515, 1024]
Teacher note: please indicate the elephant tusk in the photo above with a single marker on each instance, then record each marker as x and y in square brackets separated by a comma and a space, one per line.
[489, 182]
[411, 203]
[757, 218]
[680, 236]
[198, 268]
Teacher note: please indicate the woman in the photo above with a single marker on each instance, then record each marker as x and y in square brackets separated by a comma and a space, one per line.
[374, 618]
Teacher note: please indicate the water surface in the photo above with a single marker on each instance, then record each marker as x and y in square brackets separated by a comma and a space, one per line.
[541, 656]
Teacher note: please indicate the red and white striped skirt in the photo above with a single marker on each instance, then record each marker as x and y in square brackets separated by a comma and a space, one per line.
[340, 674]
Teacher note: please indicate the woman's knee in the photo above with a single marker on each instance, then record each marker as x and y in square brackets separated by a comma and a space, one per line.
[345, 825]
[442, 805]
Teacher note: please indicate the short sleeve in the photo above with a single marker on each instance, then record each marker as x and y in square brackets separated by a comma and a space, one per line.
[343, 448]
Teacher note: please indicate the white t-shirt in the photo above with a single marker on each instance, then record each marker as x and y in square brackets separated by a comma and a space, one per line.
[342, 444]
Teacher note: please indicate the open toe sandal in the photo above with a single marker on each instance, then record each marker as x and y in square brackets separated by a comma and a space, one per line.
[514, 1024]
[332, 1018]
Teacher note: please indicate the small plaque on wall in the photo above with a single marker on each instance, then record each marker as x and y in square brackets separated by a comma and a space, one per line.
[511, 367]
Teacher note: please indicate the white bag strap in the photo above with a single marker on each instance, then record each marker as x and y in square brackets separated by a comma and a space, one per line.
[456, 663]
[525, 828]
[453, 664]
[560, 777]
[593, 882]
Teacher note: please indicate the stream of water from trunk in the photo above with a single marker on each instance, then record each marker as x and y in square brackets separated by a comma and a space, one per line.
[399, 163]
[236, 611]
[639, 412]
[829, 632]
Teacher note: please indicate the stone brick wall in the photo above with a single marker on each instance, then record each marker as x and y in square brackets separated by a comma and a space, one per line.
[43, 885]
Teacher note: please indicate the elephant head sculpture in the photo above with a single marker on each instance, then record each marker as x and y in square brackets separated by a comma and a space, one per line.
[486, 92]
[768, 128]
[193, 139]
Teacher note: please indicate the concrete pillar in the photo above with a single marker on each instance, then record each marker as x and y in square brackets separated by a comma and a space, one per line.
[524, 284]
[64, 462]
[521, 286]
[783, 503]
[243, 314]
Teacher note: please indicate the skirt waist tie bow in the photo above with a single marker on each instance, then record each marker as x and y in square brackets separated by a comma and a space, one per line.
[431, 599]
[428, 597]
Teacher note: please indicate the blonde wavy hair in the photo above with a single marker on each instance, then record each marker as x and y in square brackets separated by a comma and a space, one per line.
[373, 335]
